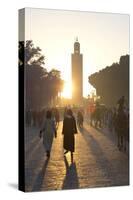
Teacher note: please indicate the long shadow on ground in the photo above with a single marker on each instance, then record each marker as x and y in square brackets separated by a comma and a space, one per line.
[71, 178]
[40, 177]
[102, 161]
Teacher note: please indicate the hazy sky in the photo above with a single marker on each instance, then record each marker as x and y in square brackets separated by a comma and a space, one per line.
[103, 39]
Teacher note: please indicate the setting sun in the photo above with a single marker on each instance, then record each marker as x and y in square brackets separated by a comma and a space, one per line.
[67, 91]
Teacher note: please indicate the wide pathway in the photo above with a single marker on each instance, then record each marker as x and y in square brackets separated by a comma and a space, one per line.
[97, 162]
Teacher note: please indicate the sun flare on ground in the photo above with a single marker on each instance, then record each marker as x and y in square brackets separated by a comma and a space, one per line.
[67, 90]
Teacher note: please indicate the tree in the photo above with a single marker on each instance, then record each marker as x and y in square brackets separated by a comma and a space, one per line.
[55, 84]
[112, 82]
[41, 86]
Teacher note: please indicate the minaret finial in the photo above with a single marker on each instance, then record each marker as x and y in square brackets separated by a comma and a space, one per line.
[76, 39]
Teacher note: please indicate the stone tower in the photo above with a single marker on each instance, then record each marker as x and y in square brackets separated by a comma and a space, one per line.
[77, 74]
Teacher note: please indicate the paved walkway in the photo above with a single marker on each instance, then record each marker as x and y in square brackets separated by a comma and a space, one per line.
[97, 162]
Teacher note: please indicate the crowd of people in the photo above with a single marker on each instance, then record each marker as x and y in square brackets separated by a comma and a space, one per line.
[36, 118]
[115, 119]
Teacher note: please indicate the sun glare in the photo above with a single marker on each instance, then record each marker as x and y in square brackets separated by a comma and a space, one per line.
[67, 91]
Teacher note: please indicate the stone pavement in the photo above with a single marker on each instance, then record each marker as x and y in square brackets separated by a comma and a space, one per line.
[97, 162]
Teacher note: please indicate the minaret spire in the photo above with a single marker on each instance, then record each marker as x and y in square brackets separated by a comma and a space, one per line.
[77, 74]
[76, 39]
[77, 46]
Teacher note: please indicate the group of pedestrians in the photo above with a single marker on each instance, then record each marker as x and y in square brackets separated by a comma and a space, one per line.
[49, 131]
[122, 125]
[36, 117]
[115, 119]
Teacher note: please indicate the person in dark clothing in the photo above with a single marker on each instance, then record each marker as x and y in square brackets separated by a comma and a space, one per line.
[97, 115]
[57, 117]
[69, 129]
[121, 129]
[121, 103]
[80, 119]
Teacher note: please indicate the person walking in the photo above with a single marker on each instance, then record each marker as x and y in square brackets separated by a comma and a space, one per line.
[121, 102]
[48, 132]
[80, 119]
[68, 130]
[57, 117]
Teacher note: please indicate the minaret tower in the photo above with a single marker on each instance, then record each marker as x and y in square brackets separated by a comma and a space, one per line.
[77, 75]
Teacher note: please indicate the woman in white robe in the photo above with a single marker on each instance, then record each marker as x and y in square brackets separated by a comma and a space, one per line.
[48, 132]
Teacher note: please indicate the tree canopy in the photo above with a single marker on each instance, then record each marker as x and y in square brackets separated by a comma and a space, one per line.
[42, 87]
[112, 82]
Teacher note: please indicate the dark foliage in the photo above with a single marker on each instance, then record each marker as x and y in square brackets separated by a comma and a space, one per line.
[112, 82]
[42, 87]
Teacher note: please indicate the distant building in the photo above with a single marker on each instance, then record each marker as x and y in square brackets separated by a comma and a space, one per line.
[77, 75]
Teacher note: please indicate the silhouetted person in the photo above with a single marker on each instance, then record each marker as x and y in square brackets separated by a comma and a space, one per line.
[97, 115]
[49, 131]
[34, 117]
[57, 117]
[69, 129]
[65, 111]
[121, 129]
[121, 103]
[28, 117]
[80, 119]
